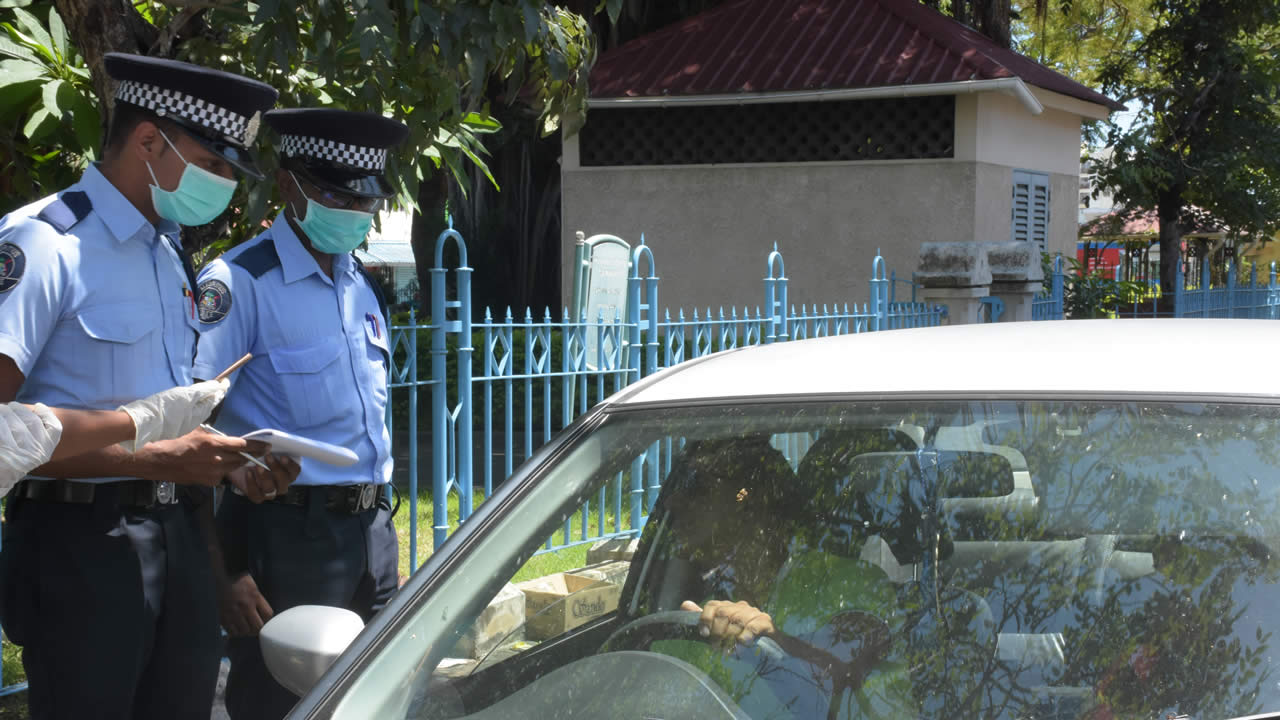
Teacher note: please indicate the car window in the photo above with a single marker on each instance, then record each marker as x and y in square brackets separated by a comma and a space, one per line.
[1002, 559]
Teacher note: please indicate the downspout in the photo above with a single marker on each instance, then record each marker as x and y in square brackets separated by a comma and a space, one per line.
[1013, 86]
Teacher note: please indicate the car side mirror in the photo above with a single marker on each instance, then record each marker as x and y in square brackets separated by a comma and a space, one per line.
[300, 643]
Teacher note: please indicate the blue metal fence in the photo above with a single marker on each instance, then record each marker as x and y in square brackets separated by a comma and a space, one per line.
[528, 375]
[1196, 297]
[1233, 300]
[1049, 306]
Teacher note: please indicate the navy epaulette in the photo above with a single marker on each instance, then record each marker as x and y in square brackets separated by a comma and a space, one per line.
[67, 210]
[259, 260]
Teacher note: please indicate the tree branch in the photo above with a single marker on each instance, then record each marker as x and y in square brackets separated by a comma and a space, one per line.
[205, 5]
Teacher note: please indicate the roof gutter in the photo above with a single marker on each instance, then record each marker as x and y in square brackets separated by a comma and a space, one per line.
[1010, 86]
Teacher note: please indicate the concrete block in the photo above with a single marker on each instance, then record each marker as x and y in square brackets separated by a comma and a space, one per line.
[964, 304]
[953, 264]
[506, 613]
[1014, 262]
[612, 549]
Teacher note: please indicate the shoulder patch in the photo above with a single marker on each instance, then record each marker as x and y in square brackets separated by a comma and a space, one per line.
[12, 264]
[259, 260]
[68, 209]
[214, 301]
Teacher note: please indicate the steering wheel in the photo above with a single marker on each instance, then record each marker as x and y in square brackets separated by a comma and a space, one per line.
[868, 635]
[643, 632]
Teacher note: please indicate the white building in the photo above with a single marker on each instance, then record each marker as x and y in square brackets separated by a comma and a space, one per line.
[831, 127]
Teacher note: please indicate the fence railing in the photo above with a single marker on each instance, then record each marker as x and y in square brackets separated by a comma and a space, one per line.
[502, 385]
[1233, 300]
[1049, 306]
[1193, 297]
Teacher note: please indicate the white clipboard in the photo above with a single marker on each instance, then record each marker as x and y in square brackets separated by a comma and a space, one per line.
[287, 444]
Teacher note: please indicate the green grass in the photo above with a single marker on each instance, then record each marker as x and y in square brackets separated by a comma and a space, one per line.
[537, 566]
[13, 706]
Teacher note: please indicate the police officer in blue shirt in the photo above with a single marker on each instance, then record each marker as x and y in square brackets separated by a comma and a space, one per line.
[104, 580]
[315, 321]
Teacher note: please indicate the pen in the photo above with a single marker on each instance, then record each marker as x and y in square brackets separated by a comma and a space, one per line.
[209, 428]
[234, 366]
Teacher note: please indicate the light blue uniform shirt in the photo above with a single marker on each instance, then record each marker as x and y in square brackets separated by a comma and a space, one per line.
[100, 315]
[319, 367]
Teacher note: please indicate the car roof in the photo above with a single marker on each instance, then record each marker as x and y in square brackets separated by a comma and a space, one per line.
[1066, 358]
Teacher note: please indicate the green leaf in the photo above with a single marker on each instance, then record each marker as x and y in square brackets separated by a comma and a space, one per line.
[11, 47]
[58, 35]
[19, 71]
[481, 123]
[144, 9]
[50, 95]
[480, 164]
[15, 98]
[36, 34]
[15, 3]
[86, 121]
[614, 8]
[41, 123]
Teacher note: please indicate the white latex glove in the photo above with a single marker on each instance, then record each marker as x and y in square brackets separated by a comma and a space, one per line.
[28, 437]
[174, 412]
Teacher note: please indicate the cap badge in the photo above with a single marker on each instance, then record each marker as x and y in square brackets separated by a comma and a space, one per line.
[251, 130]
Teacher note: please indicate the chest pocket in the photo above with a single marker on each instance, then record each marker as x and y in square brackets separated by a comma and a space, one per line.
[124, 345]
[312, 380]
[379, 352]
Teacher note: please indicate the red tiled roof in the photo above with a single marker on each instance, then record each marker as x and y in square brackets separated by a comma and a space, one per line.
[797, 45]
[1120, 224]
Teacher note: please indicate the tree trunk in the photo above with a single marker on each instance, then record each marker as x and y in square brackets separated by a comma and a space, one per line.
[991, 17]
[98, 27]
[428, 223]
[1169, 210]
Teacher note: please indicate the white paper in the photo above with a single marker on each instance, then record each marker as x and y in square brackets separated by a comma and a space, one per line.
[284, 443]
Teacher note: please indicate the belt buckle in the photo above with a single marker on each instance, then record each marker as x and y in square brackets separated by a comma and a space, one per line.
[367, 494]
[166, 493]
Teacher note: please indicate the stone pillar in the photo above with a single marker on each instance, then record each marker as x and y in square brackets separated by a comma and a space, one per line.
[955, 274]
[1016, 277]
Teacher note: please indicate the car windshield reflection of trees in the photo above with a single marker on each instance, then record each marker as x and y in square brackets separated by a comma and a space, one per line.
[998, 559]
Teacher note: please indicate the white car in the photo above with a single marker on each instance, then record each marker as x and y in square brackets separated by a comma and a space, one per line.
[1065, 519]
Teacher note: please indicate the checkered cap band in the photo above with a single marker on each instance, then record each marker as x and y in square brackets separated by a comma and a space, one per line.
[162, 102]
[365, 158]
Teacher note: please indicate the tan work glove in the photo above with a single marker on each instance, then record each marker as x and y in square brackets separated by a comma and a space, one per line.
[28, 437]
[172, 413]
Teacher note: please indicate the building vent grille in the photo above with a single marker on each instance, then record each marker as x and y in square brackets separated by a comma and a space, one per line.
[889, 129]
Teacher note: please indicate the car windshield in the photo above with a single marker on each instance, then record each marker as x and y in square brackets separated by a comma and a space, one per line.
[925, 558]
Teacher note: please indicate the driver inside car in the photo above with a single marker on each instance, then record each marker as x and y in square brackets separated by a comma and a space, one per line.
[794, 560]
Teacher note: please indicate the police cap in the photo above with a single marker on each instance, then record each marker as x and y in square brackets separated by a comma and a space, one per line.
[338, 150]
[220, 110]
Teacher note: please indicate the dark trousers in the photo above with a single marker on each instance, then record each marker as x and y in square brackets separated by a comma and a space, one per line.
[302, 555]
[114, 609]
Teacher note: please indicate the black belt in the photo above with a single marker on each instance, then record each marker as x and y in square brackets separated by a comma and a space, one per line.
[145, 494]
[352, 499]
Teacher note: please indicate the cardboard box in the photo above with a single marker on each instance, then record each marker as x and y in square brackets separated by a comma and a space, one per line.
[611, 571]
[612, 549]
[498, 623]
[557, 603]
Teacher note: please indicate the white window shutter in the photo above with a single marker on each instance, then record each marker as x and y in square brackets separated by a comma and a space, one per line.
[1030, 222]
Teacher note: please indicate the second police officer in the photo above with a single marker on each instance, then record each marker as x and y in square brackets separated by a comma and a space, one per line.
[298, 299]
